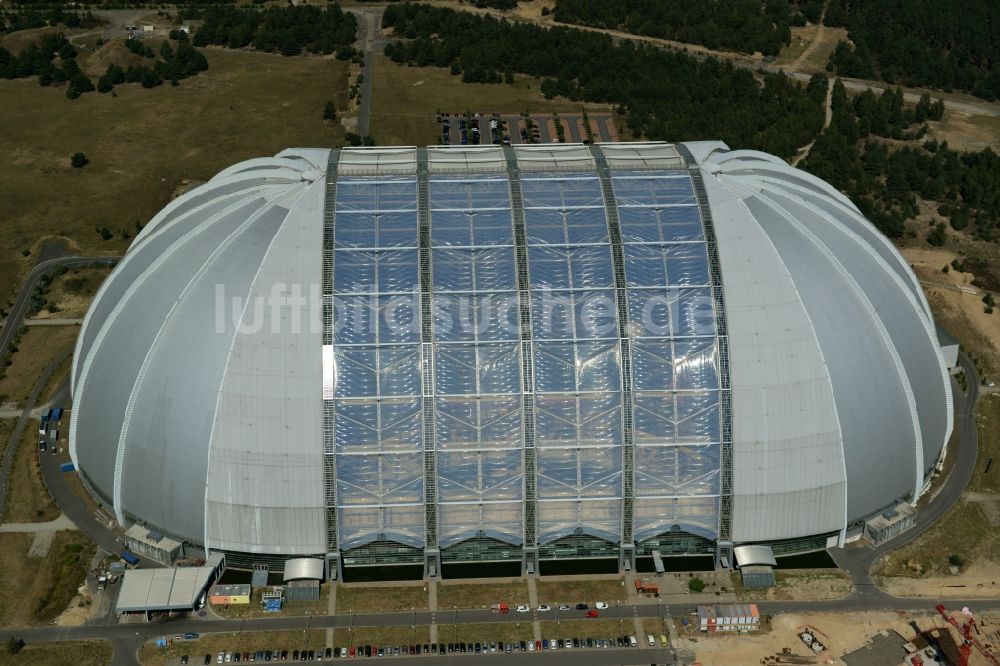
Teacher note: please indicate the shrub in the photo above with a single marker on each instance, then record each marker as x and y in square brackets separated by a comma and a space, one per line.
[696, 585]
[78, 160]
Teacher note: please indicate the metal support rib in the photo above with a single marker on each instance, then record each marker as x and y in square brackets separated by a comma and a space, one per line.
[725, 398]
[427, 352]
[527, 358]
[329, 453]
[621, 296]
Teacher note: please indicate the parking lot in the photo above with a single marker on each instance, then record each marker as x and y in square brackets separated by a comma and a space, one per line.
[474, 128]
[480, 648]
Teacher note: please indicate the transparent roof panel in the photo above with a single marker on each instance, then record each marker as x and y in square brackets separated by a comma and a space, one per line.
[653, 189]
[365, 426]
[572, 315]
[558, 227]
[364, 371]
[471, 369]
[469, 194]
[587, 419]
[572, 473]
[660, 225]
[677, 470]
[375, 319]
[382, 194]
[571, 267]
[478, 422]
[468, 269]
[570, 367]
[555, 190]
[475, 317]
[674, 312]
[376, 230]
[676, 427]
[471, 228]
[658, 265]
[374, 271]
[477, 476]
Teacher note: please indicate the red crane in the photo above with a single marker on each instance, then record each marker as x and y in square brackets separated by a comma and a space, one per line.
[968, 640]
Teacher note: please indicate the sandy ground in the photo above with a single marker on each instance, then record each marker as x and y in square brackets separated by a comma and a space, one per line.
[840, 632]
[964, 131]
[813, 586]
[953, 295]
[981, 579]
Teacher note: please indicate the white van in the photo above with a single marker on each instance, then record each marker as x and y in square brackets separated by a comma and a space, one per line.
[632, 642]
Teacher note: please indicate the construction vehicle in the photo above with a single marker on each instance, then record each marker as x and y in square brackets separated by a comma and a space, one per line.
[968, 640]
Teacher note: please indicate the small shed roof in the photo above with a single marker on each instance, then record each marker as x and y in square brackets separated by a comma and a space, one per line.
[308, 568]
[754, 555]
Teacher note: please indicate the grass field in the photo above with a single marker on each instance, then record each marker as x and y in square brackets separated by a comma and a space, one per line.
[595, 628]
[39, 346]
[553, 592]
[380, 599]
[487, 631]
[80, 653]
[143, 144]
[406, 100]
[381, 636]
[28, 501]
[481, 596]
[212, 644]
[37, 590]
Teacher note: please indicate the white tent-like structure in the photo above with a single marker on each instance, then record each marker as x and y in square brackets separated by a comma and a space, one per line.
[481, 353]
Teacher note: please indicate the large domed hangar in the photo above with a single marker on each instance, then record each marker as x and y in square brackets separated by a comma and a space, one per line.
[429, 356]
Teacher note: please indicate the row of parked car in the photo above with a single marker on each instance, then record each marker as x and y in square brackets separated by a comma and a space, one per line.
[366, 651]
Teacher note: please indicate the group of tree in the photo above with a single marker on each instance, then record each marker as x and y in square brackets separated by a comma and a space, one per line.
[920, 43]
[173, 65]
[885, 178]
[27, 18]
[664, 94]
[287, 30]
[732, 25]
[52, 60]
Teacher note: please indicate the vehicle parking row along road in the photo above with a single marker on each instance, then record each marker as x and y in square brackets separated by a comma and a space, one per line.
[590, 643]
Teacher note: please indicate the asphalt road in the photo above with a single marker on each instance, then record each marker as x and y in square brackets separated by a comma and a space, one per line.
[370, 26]
[858, 560]
[22, 423]
[17, 311]
[49, 259]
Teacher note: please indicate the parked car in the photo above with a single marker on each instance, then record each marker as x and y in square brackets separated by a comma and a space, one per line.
[651, 640]
[600, 605]
[521, 608]
[542, 608]
[582, 606]
[564, 607]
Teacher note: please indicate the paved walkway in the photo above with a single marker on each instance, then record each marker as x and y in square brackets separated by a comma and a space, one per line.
[331, 609]
[432, 606]
[60, 523]
[536, 625]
